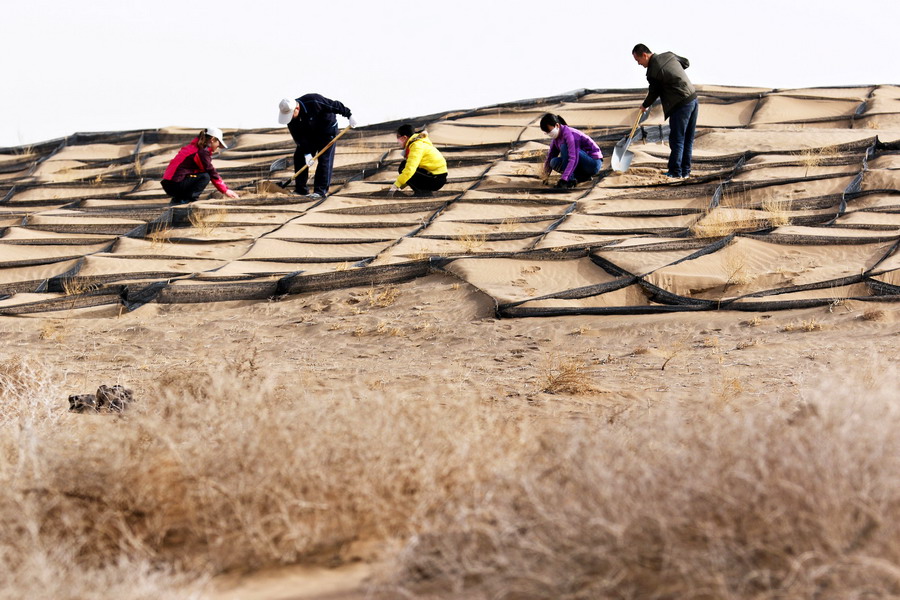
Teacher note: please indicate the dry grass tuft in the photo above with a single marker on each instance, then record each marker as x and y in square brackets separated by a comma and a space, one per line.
[701, 500]
[222, 469]
[744, 344]
[160, 236]
[672, 350]
[734, 264]
[54, 329]
[207, 220]
[73, 286]
[471, 241]
[717, 223]
[805, 325]
[872, 315]
[778, 211]
[754, 322]
[814, 157]
[382, 298]
[568, 376]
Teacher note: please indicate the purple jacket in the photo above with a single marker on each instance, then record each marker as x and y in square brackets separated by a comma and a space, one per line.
[574, 141]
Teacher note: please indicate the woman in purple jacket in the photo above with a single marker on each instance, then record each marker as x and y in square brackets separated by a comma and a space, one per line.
[572, 154]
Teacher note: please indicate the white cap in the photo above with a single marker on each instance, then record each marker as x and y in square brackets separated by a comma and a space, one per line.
[286, 110]
[217, 133]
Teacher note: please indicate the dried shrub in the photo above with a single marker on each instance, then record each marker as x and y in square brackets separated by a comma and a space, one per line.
[699, 500]
[566, 376]
[872, 315]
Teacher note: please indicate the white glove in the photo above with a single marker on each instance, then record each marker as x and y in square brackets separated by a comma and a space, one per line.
[394, 189]
[352, 122]
[310, 161]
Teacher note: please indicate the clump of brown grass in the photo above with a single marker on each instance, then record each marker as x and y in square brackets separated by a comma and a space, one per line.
[510, 225]
[760, 502]
[54, 329]
[471, 241]
[744, 344]
[717, 223]
[214, 470]
[734, 264]
[566, 376]
[814, 157]
[207, 220]
[872, 315]
[383, 297]
[804, 325]
[754, 322]
[777, 211]
[73, 286]
[160, 236]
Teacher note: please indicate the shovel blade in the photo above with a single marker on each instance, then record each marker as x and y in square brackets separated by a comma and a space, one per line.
[278, 165]
[621, 158]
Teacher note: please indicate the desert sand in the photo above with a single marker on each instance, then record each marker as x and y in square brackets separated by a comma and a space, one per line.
[630, 389]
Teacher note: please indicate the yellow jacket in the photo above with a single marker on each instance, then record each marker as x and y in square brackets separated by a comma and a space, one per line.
[421, 154]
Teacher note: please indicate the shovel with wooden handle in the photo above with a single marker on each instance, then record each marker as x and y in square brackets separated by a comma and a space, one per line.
[621, 158]
[320, 153]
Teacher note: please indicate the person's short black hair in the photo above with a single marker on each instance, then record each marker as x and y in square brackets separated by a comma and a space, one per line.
[549, 121]
[640, 49]
[405, 130]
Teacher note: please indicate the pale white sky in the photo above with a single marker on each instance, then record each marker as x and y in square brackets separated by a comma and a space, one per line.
[103, 65]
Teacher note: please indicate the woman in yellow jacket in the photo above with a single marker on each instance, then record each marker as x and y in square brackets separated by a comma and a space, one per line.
[423, 167]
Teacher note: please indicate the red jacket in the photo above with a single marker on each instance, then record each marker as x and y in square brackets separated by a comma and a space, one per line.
[191, 160]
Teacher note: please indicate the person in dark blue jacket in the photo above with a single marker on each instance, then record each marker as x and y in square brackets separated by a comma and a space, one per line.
[312, 123]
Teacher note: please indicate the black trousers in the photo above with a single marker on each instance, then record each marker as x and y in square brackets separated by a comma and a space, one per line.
[323, 166]
[423, 181]
[186, 190]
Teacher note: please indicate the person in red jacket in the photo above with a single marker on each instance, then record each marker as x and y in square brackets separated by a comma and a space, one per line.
[191, 170]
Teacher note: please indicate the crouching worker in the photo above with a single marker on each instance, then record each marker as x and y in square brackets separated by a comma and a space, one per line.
[572, 154]
[423, 168]
[191, 170]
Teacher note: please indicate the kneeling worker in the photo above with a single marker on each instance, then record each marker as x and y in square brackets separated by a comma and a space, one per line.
[188, 174]
[423, 168]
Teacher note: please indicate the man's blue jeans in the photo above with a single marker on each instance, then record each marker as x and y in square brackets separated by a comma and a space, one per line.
[682, 124]
[585, 168]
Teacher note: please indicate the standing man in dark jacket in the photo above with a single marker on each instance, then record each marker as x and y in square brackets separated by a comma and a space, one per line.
[311, 121]
[669, 82]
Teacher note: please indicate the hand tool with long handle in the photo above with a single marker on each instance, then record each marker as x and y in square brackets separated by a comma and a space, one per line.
[320, 153]
[621, 158]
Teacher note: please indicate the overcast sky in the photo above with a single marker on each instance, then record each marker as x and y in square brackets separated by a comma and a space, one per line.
[102, 65]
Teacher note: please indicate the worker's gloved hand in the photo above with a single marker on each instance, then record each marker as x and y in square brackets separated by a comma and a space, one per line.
[310, 161]
[352, 122]
[394, 189]
[565, 183]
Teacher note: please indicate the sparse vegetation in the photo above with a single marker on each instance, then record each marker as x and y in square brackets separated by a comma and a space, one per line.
[813, 157]
[754, 322]
[734, 264]
[672, 350]
[872, 314]
[160, 236]
[383, 297]
[73, 286]
[777, 211]
[471, 241]
[207, 220]
[804, 325]
[566, 376]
